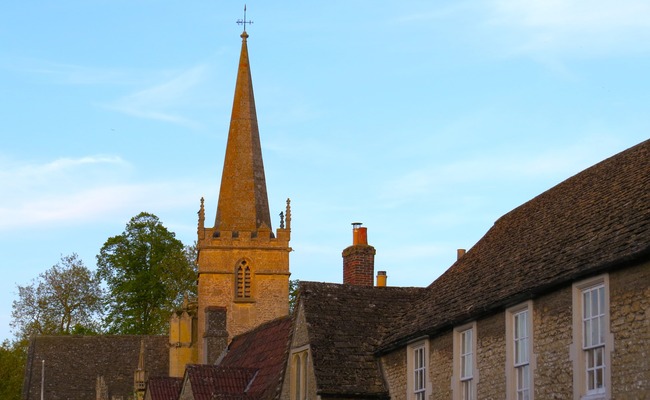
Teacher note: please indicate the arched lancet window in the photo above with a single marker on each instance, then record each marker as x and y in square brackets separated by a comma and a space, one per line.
[243, 286]
[299, 376]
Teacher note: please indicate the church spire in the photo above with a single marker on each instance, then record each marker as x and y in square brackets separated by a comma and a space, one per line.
[243, 203]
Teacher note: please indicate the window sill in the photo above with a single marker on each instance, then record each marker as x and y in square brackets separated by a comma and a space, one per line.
[244, 300]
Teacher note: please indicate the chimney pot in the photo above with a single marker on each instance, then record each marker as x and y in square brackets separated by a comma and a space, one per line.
[460, 253]
[355, 232]
[359, 259]
[381, 278]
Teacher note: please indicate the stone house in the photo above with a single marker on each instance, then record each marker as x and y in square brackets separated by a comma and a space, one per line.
[552, 303]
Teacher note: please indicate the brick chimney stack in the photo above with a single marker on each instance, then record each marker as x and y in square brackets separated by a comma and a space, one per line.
[359, 259]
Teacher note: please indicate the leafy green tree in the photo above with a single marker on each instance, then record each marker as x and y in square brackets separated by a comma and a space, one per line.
[12, 369]
[147, 271]
[63, 299]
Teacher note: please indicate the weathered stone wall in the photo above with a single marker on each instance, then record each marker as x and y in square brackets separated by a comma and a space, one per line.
[491, 357]
[394, 366]
[630, 326]
[441, 352]
[552, 338]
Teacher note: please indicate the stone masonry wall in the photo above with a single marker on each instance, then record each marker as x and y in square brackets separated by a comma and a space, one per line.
[630, 326]
[394, 366]
[552, 338]
[441, 352]
[491, 357]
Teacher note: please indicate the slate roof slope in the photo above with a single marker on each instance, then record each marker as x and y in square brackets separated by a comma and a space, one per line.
[215, 382]
[163, 388]
[345, 324]
[596, 220]
[73, 363]
[265, 349]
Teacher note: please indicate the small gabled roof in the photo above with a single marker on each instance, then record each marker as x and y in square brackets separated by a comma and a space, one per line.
[595, 221]
[163, 388]
[264, 349]
[345, 325]
[215, 382]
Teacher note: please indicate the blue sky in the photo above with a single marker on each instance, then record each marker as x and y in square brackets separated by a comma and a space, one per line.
[424, 120]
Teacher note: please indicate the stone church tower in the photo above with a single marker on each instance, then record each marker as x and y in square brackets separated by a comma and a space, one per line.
[243, 265]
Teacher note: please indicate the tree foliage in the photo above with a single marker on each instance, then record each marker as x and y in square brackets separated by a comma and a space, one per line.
[64, 299]
[12, 369]
[147, 272]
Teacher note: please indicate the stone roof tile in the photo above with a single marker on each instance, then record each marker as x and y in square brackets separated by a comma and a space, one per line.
[345, 324]
[265, 349]
[163, 388]
[73, 363]
[212, 381]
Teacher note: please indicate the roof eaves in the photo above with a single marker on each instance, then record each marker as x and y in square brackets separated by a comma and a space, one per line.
[636, 259]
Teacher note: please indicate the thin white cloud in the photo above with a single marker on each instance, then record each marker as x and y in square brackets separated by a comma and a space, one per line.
[17, 176]
[162, 101]
[65, 163]
[78, 190]
[73, 74]
[512, 166]
[85, 205]
[573, 27]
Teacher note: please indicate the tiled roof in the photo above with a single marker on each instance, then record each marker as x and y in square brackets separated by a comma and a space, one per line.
[215, 382]
[73, 363]
[345, 324]
[596, 220]
[163, 388]
[264, 349]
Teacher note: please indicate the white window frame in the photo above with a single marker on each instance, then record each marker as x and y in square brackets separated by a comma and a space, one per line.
[417, 360]
[514, 366]
[299, 360]
[584, 319]
[465, 377]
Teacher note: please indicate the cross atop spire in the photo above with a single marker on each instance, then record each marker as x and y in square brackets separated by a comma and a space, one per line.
[244, 21]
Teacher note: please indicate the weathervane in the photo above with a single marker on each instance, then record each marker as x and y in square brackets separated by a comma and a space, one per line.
[244, 21]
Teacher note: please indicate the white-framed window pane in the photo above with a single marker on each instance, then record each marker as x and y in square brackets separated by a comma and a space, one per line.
[593, 335]
[467, 390]
[419, 373]
[523, 382]
[520, 345]
[521, 352]
[593, 317]
[466, 354]
[595, 369]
